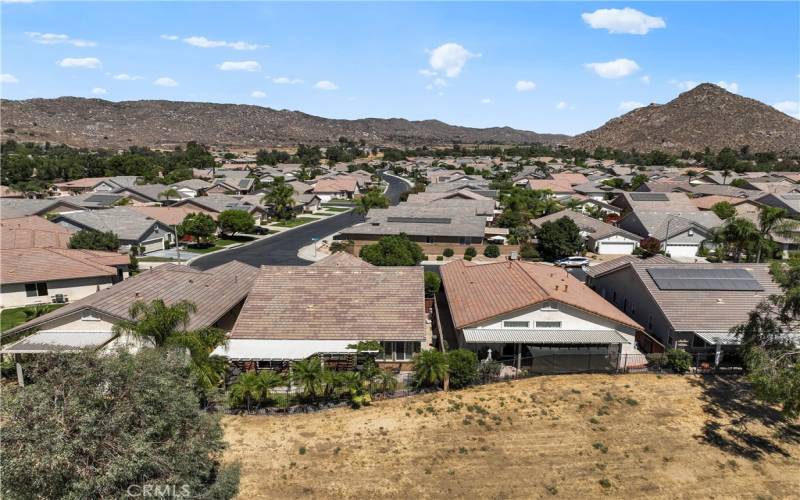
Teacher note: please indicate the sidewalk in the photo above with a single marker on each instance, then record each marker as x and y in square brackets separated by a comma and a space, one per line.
[317, 250]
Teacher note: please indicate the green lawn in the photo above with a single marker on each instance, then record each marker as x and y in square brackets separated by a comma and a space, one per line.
[219, 244]
[295, 222]
[9, 318]
[337, 209]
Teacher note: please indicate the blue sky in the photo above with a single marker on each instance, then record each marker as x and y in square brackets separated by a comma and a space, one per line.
[547, 67]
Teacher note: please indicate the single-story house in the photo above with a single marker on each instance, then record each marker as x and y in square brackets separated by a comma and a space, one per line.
[192, 188]
[130, 226]
[654, 202]
[231, 185]
[601, 238]
[292, 314]
[56, 275]
[687, 306]
[339, 187]
[144, 194]
[12, 208]
[218, 203]
[218, 294]
[536, 316]
[32, 232]
[95, 201]
[789, 202]
[681, 233]
[172, 216]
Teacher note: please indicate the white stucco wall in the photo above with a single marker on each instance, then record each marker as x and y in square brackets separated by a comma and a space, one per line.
[571, 318]
[13, 295]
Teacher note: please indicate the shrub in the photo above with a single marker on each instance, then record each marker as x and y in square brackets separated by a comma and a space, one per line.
[463, 367]
[529, 252]
[448, 252]
[393, 250]
[467, 257]
[679, 360]
[430, 368]
[89, 239]
[490, 370]
[491, 251]
[470, 252]
[341, 246]
[439, 257]
[235, 221]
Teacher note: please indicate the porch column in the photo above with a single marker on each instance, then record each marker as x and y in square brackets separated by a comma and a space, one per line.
[518, 347]
[718, 355]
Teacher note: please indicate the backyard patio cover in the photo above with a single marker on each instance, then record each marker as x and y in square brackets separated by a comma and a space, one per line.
[58, 341]
[272, 349]
[543, 337]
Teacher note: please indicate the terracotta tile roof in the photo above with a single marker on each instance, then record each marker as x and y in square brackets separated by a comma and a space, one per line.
[49, 264]
[330, 303]
[341, 259]
[214, 291]
[569, 178]
[86, 182]
[706, 202]
[171, 216]
[552, 185]
[611, 265]
[336, 185]
[32, 232]
[479, 292]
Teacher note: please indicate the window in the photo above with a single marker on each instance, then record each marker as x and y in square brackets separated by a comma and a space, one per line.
[36, 289]
[402, 351]
[87, 316]
[516, 324]
[691, 232]
[550, 306]
[387, 352]
[548, 324]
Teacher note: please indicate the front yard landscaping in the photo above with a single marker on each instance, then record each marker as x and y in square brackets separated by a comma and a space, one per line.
[295, 222]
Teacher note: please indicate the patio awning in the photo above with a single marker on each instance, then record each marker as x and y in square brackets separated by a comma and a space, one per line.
[58, 341]
[276, 350]
[542, 336]
[724, 337]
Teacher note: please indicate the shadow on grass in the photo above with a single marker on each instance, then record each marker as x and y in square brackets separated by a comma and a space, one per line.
[729, 399]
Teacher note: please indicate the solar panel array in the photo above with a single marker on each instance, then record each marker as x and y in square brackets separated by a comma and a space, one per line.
[649, 197]
[420, 220]
[684, 278]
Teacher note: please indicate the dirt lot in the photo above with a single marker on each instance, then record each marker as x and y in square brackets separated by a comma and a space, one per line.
[576, 437]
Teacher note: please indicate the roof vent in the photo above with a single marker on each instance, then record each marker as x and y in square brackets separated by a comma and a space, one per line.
[720, 301]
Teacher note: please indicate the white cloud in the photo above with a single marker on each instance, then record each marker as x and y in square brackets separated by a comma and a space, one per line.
[169, 37]
[562, 105]
[486, 100]
[99, 91]
[8, 78]
[645, 79]
[618, 68]
[450, 59]
[791, 108]
[285, 80]
[427, 72]
[165, 81]
[326, 85]
[623, 21]
[205, 43]
[240, 66]
[258, 94]
[56, 38]
[732, 87]
[685, 84]
[126, 77]
[525, 86]
[244, 46]
[626, 106]
[440, 82]
[80, 62]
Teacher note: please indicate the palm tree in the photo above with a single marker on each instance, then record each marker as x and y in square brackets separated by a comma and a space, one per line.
[774, 220]
[387, 382]
[266, 382]
[430, 368]
[169, 193]
[245, 389]
[331, 383]
[369, 200]
[308, 373]
[281, 197]
[739, 234]
[356, 387]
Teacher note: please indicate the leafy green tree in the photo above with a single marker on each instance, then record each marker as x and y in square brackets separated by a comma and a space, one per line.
[430, 368]
[91, 425]
[308, 374]
[738, 235]
[463, 368]
[649, 246]
[281, 198]
[393, 250]
[169, 194]
[637, 181]
[559, 238]
[373, 198]
[723, 210]
[774, 220]
[726, 159]
[199, 226]
[89, 239]
[739, 183]
[432, 283]
[235, 221]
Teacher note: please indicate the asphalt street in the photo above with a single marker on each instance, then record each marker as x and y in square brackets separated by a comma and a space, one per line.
[281, 249]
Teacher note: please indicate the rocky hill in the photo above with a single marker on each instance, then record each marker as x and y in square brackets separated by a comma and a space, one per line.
[707, 115]
[96, 123]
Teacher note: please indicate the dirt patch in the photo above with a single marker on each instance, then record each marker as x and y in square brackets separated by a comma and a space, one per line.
[579, 436]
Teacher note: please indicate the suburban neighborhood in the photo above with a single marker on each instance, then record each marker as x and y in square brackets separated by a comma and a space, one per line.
[399, 250]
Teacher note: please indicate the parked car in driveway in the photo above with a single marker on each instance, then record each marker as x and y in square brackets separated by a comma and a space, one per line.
[575, 261]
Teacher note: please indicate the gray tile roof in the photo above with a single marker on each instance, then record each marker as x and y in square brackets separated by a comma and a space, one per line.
[127, 224]
[597, 229]
[611, 265]
[12, 208]
[149, 191]
[656, 224]
[420, 220]
[214, 292]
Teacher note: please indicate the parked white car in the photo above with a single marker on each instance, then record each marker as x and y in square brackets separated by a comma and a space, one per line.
[576, 261]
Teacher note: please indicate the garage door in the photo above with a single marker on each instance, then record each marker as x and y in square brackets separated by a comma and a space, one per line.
[685, 250]
[153, 245]
[615, 248]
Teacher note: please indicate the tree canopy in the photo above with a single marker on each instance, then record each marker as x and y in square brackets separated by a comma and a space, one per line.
[393, 250]
[89, 239]
[281, 197]
[559, 238]
[235, 221]
[199, 226]
[91, 425]
[373, 198]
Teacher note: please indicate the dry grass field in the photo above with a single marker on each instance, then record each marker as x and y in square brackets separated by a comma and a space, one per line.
[574, 437]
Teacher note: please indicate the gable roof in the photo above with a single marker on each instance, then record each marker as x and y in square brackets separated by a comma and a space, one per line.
[676, 202]
[336, 185]
[614, 264]
[148, 191]
[426, 220]
[479, 292]
[214, 291]
[11, 208]
[570, 178]
[28, 265]
[597, 229]
[326, 302]
[125, 222]
[172, 215]
[342, 259]
[32, 232]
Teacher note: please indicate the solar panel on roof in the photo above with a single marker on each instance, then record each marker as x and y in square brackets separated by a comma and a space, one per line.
[420, 220]
[688, 278]
[649, 197]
